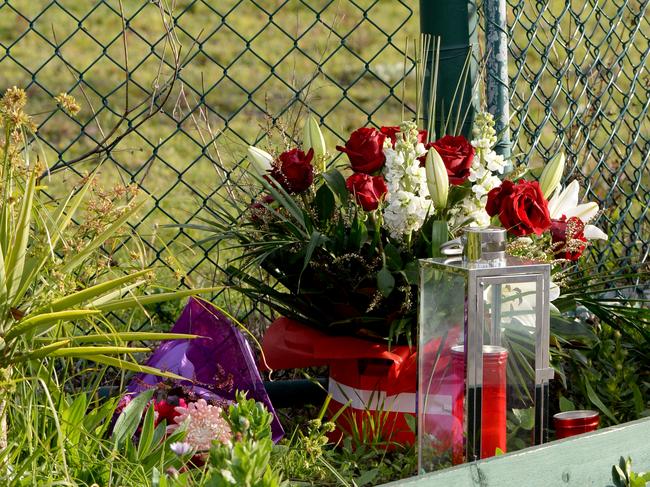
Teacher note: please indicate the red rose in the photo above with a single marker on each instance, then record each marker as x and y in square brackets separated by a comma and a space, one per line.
[568, 237]
[521, 207]
[457, 154]
[368, 190]
[293, 170]
[167, 411]
[392, 131]
[365, 149]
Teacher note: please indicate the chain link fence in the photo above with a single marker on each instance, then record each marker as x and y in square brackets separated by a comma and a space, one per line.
[578, 82]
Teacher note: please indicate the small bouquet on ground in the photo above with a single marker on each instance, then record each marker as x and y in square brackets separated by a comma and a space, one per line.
[342, 240]
[217, 365]
[183, 439]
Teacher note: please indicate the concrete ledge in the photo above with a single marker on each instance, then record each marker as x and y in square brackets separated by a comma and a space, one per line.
[580, 461]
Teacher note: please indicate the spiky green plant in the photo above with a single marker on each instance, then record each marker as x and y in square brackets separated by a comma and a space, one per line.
[38, 293]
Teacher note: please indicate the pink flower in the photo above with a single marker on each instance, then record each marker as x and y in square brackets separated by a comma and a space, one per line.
[205, 424]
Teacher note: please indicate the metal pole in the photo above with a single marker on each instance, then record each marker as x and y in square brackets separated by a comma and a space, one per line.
[455, 22]
[498, 96]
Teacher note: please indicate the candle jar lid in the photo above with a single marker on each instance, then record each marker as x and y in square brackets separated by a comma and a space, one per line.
[580, 416]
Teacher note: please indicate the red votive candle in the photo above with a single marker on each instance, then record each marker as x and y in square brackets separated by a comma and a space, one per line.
[571, 423]
[493, 400]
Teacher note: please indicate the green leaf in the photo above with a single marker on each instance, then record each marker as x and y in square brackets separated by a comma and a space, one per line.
[18, 248]
[367, 477]
[358, 233]
[146, 437]
[92, 292]
[457, 193]
[42, 352]
[525, 418]
[637, 396]
[71, 418]
[412, 272]
[32, 322]
[393, 257]
[132, 366]
[128, 303]
[385, 282]
[566, 405]
[314, 242]
[439, 235]
[124, 336]
[596, 401]
[96, 350]
[324, 202]
[129, 419]
[335, 180]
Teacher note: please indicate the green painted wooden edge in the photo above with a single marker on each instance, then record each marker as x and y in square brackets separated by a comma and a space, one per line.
[580, 461]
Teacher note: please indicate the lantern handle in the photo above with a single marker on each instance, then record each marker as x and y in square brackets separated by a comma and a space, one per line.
[452, 247]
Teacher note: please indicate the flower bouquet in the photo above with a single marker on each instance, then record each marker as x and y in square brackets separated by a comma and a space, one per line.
[338, 243]
[339, 240]
[216, 365]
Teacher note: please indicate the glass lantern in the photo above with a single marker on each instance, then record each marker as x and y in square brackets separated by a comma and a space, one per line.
[483, 352]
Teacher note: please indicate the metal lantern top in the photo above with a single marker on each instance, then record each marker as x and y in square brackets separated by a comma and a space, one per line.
[483, 351]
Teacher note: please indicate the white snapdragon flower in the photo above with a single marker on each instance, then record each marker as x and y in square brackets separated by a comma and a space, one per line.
[405, 213]
[477, 172]
[482, 143]
[407, 201]
[485, 185]
[495, 162]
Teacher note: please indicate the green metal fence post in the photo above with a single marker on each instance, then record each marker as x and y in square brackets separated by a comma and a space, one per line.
[498, 100]
[455, 22]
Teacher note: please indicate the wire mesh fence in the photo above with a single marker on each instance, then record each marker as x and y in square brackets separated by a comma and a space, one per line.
[578, 82]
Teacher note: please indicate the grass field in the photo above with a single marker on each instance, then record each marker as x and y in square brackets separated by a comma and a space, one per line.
[582, 85]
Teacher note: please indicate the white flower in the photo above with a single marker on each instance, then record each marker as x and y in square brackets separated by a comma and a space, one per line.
[261, 160]
[477, 172]
[313, 137]
[407, 201]
[437, 178]
[483, 143]
[565, 203]
[181, 448]
[495, 162]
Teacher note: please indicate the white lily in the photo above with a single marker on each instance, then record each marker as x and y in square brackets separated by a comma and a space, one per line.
[313, 137]
[437, 179]
[261, 160]
[552, 174]
[565, 203]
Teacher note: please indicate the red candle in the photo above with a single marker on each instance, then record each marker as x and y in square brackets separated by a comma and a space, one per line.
[493, 403]
[571, 423]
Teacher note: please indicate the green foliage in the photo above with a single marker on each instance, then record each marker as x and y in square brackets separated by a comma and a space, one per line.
[601, 355]
[623, 476]
[308, 457]
[45, 260]
[246, 462]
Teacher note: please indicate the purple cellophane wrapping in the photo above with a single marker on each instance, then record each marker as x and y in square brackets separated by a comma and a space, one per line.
[217, 365]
